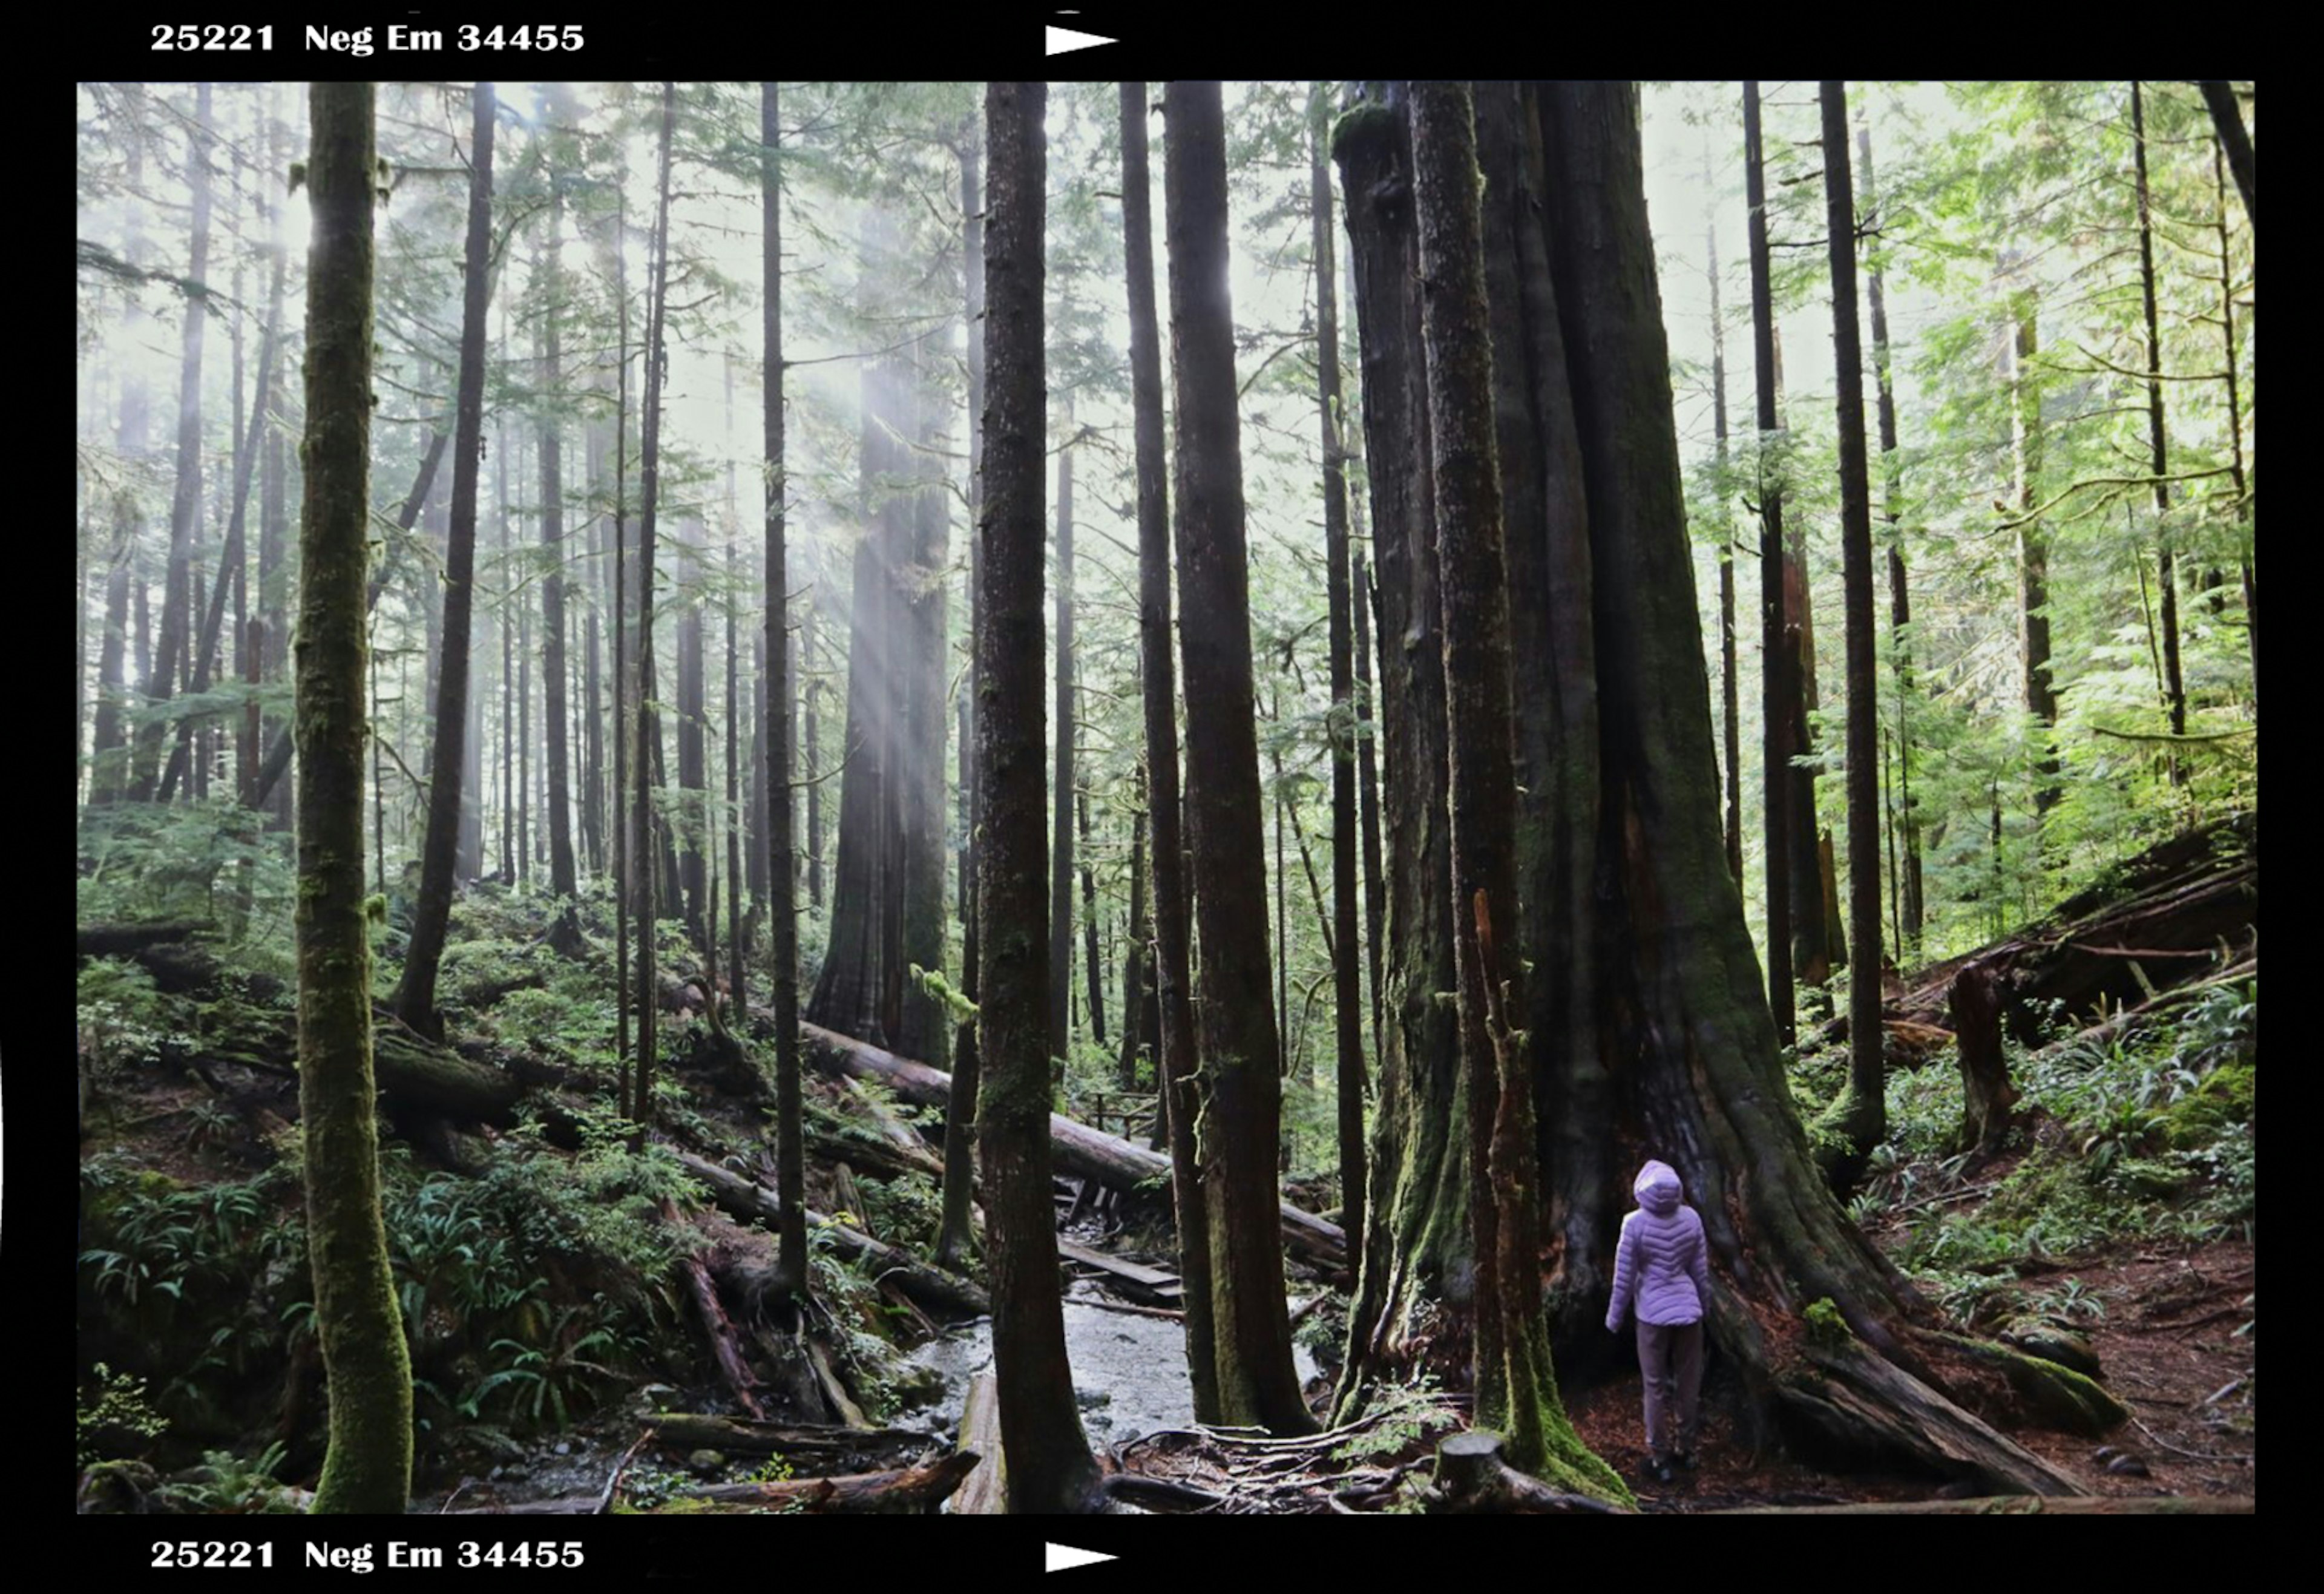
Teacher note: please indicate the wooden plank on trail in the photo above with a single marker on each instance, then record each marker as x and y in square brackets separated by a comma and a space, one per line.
[1152, 1279]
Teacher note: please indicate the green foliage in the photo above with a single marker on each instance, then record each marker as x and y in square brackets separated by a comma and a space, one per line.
[226, 1485]
[113, 1417]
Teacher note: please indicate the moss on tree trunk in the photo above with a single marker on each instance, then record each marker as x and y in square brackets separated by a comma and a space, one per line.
[368, 1465]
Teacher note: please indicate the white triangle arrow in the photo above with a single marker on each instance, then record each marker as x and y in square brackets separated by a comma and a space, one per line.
[1062, 1557]
[1062, 39]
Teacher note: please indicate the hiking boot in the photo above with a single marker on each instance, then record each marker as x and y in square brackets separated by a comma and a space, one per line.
[1685, 1459]
[1659, 1468]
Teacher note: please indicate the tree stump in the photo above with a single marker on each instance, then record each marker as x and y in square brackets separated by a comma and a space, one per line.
[1976, 997]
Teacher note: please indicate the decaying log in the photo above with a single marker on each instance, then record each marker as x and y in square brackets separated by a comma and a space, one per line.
[2021, 1505]
[725, 1343]
[985, 1491]
[685, 1432]
[915, 1491]
[1081, 1152]
[1987, 1093]
[931, 1287]
[1471, 1478]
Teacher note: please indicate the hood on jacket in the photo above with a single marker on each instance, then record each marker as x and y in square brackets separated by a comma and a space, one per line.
[1657, 1188]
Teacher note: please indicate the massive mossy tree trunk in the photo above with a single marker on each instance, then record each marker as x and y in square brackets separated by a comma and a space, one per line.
[1415, 1244]
[1683, 1031]
[450, 772]
[1864, 1117]
[1347, 959]
[368, 1465]
[782, 876]
[1516, 1388]
[1173, 977]
[1240, 1119]
[1049, 1465]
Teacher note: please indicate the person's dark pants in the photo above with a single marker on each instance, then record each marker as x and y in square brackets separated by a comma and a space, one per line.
[1671, 1353]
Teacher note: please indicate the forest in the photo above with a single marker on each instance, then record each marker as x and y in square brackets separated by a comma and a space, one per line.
[1191, 798]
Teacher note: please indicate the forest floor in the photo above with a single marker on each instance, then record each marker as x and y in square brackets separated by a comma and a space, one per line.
[2120, 1215]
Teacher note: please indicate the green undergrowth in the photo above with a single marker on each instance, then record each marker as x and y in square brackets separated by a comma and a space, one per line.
[2146, 1134]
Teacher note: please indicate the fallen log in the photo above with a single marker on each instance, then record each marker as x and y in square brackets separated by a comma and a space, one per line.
[916, 1491]
[931, 1287]
[985, 1491]
[1081, 1152]
[726, 1345]
[2021, 1505]
[685, 1432]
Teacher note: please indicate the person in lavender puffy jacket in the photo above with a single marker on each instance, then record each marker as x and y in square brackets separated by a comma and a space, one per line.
[1662, 1266]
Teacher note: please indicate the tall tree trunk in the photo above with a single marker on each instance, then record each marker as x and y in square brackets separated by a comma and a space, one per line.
[367, 1466]
[1135, 989]
[1361, 599]
[1415, 1245]
[2227, 116]
[231, 561]
[1096, 985]
[1158, 674]
[924, 1024]
[108, 745]
[186, 498]
[811, 740]
[649, 735]
[782, 877]
[2175, 682]
[1864, 1118]
[1549, 560]
[617, 811]
[1730, 714]
[1906, 828]
[1049, 1466]
[860, 989]
[2245, 507]
[1347, 958]
[692, 819]
[953, 1232]
[1516, 1388]
[2032, 544]
[1061, 854]
[562, 880]
[1776, 660]
[448, 769]
[1239, 1121]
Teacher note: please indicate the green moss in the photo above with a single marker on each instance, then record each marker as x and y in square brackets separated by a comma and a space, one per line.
[1826, 1326]
[2228, 1095]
